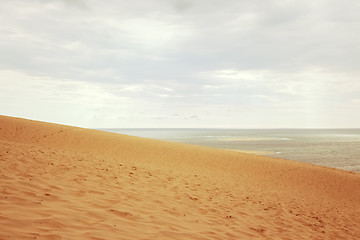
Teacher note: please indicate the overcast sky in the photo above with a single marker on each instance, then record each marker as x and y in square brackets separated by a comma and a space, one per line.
[182, 63]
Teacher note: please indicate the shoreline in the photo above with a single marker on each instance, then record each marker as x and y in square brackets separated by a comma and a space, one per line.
[333, 148]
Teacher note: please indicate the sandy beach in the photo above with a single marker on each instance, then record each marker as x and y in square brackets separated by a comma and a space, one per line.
[62, 182]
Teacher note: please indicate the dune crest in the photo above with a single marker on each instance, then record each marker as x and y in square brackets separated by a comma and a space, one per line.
[62, 182]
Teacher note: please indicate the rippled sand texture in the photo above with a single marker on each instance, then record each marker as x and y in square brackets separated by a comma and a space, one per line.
[60, 182]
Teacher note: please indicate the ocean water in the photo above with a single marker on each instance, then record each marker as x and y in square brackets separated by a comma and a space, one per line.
[338, 148]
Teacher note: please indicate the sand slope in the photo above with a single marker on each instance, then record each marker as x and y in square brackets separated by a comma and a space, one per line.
[61, 182]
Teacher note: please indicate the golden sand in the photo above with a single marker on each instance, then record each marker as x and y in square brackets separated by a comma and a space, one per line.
[61, 182]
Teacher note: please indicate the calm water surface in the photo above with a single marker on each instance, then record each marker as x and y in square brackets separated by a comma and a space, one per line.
[339, 148]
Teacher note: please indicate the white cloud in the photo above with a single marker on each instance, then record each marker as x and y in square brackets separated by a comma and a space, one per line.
[54, 100]
[311, 93]
[152, 34]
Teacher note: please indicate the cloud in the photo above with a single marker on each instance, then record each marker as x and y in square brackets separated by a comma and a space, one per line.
[151, 34]
[76, 3]
[182, 5]
[54, 99]
[306, 92]
[212, 59]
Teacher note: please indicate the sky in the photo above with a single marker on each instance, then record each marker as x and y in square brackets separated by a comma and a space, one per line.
[182, 63]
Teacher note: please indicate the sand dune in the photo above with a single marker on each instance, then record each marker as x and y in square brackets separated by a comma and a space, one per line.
[61, 182]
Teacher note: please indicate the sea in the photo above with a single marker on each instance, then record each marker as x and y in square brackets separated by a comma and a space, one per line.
[337, 148]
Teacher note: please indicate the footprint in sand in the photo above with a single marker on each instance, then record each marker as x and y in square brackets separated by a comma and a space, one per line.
[120, 213]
